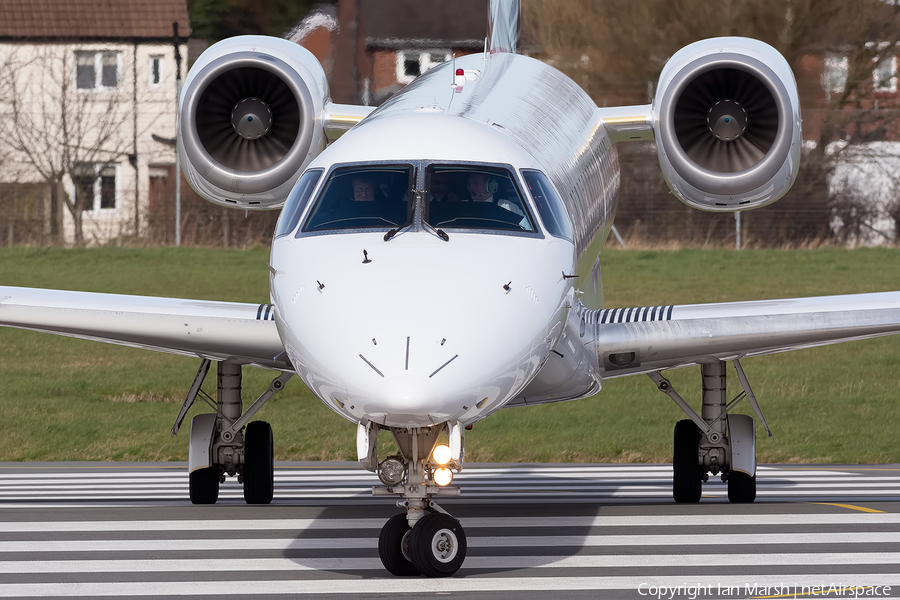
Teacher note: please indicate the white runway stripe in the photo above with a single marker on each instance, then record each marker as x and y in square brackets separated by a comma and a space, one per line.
[725, 539]
[725, 520]
[472, 562]
[420, 585]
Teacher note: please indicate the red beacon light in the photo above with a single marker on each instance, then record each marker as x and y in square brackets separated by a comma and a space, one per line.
[459, 79]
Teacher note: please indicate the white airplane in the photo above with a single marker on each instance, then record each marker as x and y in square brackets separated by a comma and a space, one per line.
[437, 259]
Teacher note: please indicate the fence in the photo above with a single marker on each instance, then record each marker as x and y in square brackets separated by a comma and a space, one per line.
[648, 215]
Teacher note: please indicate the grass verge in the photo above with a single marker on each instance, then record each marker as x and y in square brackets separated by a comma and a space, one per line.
[67, 399]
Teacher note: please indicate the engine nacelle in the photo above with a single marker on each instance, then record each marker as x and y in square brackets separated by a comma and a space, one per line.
[727, 124]
[251, 120]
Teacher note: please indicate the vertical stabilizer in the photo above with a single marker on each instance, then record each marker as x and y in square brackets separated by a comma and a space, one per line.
[503, 25]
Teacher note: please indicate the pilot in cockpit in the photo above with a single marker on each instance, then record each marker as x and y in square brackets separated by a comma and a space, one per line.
[363, 188]
[482, 188]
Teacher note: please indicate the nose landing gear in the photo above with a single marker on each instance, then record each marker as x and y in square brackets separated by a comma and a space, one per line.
[425, 539]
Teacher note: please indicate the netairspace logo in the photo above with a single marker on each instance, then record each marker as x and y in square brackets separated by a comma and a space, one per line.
[692, 592]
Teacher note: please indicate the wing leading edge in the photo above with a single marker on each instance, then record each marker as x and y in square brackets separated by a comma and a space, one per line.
[243, 333]
[646, 339]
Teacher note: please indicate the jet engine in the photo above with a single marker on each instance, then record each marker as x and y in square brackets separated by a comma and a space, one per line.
[727, 124]
[251, 120]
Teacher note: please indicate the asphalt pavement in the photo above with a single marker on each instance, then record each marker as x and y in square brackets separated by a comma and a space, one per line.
[90, 530]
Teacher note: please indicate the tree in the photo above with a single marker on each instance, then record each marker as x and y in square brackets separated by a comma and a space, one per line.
[214, 20]
[617, 48]
[60, 126]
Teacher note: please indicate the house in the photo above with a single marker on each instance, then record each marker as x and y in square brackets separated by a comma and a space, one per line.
[88, 116]
[370, 49]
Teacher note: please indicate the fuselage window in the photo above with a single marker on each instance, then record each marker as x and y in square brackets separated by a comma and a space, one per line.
[370, 197]
[296, 202]
[474, 197]
[549, 205]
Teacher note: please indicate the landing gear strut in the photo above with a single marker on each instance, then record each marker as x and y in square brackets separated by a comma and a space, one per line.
[425, 539]
[715, 441]
[223, 443]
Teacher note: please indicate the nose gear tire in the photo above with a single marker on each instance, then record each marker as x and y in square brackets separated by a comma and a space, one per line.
[391, 543]
[437, 545]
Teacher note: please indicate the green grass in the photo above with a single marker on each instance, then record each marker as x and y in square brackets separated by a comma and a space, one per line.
[67, 399]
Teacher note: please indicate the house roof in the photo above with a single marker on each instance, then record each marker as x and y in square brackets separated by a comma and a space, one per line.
[418, 23]
[93, 19]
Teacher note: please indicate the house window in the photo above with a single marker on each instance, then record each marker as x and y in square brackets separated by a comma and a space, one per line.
[411, 64]
[95, 186]
[96, 70]
[156, 72]
[885, 75]
[834, 77]
[106, 195]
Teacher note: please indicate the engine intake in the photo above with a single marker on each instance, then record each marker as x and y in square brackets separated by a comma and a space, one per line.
[249, 116]
[728, 124]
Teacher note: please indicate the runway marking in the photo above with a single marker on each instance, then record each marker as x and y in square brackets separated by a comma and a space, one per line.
[788, 468]
[851, 507]
[875, 520]
[472, 562]
[422, 585]
[566, 541]
[112, 553]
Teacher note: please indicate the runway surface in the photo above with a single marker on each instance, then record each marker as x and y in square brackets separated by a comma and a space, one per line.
[92, 530]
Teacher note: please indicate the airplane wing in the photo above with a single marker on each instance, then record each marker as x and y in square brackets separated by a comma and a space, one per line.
[628, 341]
[244, 333]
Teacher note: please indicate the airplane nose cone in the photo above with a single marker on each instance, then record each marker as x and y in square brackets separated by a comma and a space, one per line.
[413, 375]
[424, 332]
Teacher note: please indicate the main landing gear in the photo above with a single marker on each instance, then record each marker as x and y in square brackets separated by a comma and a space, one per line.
[223, 443]
[425, 539]
[714, 441]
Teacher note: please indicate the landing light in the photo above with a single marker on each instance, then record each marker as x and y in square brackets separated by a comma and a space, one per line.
[443, 476]
[391, 471]
[441, 454]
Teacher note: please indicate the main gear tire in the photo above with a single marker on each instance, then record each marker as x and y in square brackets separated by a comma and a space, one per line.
[687, 482]
[259, 463]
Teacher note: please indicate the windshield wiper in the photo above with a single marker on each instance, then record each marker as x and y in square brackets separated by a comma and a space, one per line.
[411, 213]
[438, 232]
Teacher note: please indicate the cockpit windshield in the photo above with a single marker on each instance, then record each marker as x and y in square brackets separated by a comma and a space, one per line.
[474, 197]
[370, 197]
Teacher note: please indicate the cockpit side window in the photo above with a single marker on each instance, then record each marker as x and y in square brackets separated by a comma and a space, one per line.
[296, 202]
[475, 197]
[549, 205]
[363, 197]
